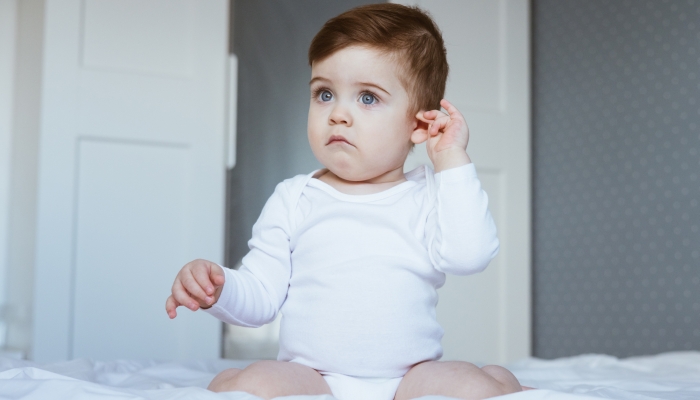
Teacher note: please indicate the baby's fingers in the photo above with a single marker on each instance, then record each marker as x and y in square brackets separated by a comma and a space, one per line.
[216, 274]
[196, 284]
[428, 116]
[438, 125]
[182, 296]
[201, 277]
[170, 307]
[451, 110]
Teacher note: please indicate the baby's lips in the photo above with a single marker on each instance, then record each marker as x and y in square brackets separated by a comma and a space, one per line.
[338, 138]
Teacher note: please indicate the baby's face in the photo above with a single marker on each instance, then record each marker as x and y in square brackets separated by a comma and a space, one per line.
[359, 127]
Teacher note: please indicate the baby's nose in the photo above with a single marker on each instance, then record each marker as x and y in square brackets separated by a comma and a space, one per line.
[340, 115]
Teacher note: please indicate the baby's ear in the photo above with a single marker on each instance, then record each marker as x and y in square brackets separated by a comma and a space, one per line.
[420, 128]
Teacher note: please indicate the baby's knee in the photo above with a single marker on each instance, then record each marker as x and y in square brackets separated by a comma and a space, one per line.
[222, 381]
[253, 380]
[508, 381]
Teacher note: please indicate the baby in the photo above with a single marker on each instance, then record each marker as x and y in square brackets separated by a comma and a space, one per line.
[352, 255]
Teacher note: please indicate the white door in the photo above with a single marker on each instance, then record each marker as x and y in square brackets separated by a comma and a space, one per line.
[487, 317]
[131, 180]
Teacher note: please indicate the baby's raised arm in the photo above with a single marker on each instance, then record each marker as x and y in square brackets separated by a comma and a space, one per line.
[197, 285]
[461, 232]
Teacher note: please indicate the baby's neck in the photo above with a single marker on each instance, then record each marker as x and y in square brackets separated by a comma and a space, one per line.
[370, 186]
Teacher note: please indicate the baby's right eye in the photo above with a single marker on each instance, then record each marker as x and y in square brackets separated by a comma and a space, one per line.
[325, 95]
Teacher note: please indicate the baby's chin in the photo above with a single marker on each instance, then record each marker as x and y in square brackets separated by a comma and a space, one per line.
[351, 175]
[356, 175]
[351, 170]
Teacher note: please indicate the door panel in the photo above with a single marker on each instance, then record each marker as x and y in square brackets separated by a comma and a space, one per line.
[131, 183]
[135, 106]
[131, 237]
[158, 39]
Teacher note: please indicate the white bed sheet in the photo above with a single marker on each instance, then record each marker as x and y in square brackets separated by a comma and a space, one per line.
[666, 376]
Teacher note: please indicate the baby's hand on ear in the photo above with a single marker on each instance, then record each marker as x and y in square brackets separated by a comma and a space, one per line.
[446, 130]
[447, 137]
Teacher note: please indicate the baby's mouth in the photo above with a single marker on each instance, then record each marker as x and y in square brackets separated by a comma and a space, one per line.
[338, 139]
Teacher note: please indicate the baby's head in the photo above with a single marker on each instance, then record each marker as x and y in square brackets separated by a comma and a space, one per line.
[373, 69]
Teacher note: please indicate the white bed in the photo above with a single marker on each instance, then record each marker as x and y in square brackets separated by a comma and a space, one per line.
[665, 376]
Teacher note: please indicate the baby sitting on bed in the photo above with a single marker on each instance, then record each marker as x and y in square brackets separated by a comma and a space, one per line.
[352, 255]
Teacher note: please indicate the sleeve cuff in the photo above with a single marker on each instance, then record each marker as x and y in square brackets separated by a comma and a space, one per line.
[220, 305]
[458, 174]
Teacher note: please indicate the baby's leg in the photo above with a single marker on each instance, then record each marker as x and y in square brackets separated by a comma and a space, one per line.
[456, 379]
[269, 379]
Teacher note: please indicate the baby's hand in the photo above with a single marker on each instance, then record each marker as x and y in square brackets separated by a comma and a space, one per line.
[197, 285]
[447, 137]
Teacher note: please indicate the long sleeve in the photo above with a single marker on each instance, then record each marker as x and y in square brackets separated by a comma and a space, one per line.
[253, 294]
[460, 231]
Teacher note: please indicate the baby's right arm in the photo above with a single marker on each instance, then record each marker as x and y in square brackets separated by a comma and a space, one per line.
[253, 294]
[197, 285]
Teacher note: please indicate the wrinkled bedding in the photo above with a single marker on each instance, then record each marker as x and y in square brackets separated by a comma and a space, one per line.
[666, 376]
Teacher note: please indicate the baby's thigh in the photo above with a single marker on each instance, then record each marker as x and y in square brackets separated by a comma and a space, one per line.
[269, 379]
[457, 379]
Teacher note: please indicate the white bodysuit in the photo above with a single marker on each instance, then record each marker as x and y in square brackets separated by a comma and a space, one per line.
[355, 276]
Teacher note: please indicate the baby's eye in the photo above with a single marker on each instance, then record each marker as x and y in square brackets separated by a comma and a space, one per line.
[368, 98]
[325, 95]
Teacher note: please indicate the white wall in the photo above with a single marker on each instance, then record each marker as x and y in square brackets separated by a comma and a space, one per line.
[19, 133]
[8, 24]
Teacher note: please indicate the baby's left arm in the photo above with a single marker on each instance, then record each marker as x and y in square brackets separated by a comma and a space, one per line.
[461, 232]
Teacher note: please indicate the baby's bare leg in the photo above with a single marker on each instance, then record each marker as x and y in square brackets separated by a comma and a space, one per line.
[269, 379]
[456, 379]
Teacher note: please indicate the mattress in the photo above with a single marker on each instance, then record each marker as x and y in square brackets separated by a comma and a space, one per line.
[673, 375]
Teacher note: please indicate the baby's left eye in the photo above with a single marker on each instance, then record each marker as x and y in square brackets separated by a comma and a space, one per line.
[368, 98]
[325, 95]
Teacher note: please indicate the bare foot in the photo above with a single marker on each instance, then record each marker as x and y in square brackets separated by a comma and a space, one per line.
[527, 388]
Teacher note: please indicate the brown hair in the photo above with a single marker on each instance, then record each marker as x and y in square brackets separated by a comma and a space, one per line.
[407, 32]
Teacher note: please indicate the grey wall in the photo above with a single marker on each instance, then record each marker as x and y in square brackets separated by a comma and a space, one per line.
[271, 39]
[616, 165]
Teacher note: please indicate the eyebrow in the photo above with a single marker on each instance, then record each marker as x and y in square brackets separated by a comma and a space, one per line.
[374, 85]
[316, 79]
